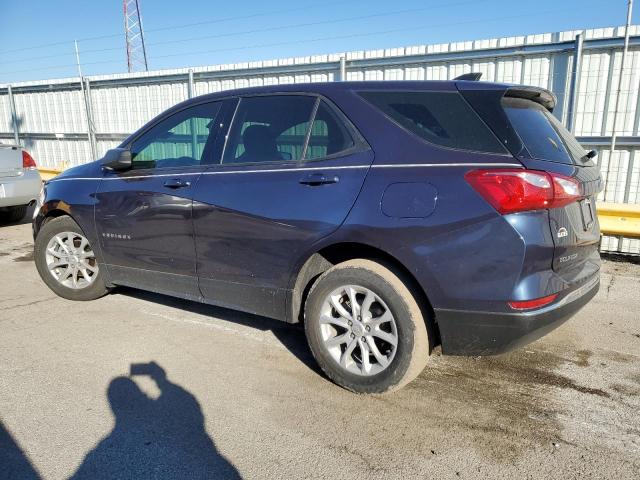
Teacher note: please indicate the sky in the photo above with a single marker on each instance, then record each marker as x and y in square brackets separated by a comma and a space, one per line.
[37, 37]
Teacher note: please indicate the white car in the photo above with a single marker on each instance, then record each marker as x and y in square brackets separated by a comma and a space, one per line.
[20, 182]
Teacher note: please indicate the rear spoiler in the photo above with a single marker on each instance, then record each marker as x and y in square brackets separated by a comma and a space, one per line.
[536, 94]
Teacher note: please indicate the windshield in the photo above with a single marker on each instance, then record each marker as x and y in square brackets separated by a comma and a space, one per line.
[541, 133]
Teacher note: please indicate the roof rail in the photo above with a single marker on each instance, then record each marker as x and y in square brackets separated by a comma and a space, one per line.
[472, 77]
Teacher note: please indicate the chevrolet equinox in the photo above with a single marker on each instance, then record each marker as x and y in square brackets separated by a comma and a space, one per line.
[388, 217]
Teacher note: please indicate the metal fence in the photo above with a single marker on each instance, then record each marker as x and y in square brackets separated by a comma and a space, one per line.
[64, 125]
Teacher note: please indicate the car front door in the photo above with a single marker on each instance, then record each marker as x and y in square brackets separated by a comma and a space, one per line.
[144, 215]
[291, 170]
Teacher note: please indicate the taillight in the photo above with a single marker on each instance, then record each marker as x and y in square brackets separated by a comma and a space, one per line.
[518, 190]
[531, 304]
[566, 190]
[27, 160]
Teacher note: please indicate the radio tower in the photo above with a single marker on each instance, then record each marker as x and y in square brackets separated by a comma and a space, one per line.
[136, 52]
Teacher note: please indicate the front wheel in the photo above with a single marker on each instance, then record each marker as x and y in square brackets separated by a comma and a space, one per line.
[365, 328]
[66, 262]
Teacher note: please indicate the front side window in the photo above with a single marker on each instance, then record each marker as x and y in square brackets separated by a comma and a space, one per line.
[181, 140]
[442, 118]
[269, 129]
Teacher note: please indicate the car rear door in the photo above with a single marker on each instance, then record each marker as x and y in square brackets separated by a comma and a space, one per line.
[291, 170]
[144, 215]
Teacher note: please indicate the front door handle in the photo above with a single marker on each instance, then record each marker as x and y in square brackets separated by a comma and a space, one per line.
[315, 179]
[176, 183]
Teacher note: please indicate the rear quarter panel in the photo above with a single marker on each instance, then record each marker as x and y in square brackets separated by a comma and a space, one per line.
[464, 255]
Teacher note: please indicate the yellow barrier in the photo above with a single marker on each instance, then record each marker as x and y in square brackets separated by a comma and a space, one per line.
[619, 219]
[48, 174]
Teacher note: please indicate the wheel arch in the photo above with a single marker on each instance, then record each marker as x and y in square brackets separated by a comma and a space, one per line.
[49, 211]
[55, 213]
[323, 259]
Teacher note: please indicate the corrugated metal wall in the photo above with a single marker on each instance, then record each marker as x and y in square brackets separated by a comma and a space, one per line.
[51, 115]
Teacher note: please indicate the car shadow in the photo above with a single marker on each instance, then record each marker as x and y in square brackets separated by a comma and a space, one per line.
[290, 335]
[26, 219]
[161, 437]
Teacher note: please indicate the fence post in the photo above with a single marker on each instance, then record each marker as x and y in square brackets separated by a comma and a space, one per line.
[343, 68]
[14, 116]
[190, 85]
[575, 80]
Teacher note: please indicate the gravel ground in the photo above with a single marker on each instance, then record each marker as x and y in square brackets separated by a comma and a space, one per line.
[242, 397]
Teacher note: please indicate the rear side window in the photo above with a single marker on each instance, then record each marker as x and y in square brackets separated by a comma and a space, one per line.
[540, 132]
[442, 118]
[269, 129]
[329, 136]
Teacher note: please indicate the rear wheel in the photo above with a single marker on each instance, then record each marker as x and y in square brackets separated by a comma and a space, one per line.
[66, 262]
[365, 328]
[13, 214]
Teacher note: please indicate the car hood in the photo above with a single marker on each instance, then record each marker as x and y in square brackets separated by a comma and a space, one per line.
[87, 170]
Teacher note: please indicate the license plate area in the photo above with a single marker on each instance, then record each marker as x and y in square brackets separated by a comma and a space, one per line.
[587, 212]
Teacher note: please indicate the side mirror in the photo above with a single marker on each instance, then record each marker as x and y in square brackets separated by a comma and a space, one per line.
[591, 154]
[117, 159]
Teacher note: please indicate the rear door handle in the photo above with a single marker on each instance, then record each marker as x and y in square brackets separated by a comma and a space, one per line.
[315, 179]
[176, 183]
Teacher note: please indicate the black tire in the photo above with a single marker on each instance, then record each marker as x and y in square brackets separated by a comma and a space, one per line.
[413, 342]
[95, 289]
[13, 214]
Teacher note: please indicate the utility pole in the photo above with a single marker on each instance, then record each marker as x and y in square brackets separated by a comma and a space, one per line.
[614, 133]
[87, 104]
[134, 36]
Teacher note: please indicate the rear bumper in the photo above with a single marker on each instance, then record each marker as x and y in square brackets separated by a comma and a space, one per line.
[488, 333]
[21, 189]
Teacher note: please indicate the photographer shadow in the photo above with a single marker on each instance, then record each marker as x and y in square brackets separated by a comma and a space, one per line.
[14, 462]
[163, 437]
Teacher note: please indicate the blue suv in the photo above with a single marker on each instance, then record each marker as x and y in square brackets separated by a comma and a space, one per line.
[388, 217]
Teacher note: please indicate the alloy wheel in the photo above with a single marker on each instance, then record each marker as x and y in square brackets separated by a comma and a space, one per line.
[358, 330]
[71, 260]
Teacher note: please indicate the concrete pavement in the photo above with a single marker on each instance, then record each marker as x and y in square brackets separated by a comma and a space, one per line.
[243, 398]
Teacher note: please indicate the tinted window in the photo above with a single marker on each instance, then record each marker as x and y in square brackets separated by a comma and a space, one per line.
[269, 129]
[534, 125]
[178, 141]
[329, 135]
[443, 118]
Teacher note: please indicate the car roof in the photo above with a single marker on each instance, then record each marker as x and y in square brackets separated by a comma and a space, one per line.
[537, 94]
[334, 87]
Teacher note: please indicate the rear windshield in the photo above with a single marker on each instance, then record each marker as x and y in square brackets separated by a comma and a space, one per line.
[542, 134]
[442, 118]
